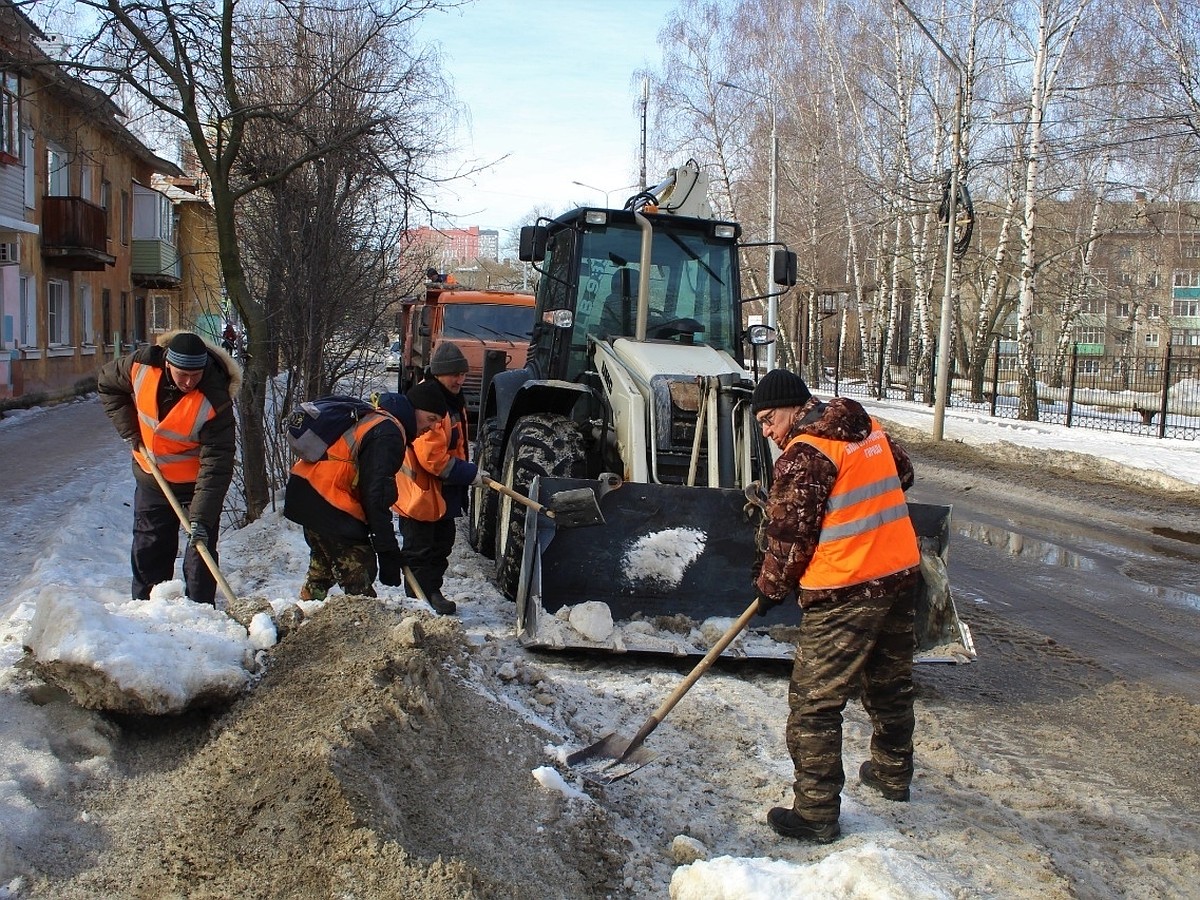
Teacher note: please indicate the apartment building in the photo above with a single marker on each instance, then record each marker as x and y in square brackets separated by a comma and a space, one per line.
[90, 220]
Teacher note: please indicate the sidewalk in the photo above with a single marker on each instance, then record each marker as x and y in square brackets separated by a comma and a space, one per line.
[1166, 463]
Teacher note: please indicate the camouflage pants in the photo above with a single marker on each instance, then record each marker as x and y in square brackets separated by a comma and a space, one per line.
[860, 643]
[331, 562]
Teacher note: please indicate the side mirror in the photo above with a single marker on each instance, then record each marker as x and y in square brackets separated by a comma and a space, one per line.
[760, 335]
[785, 267]
[532, 246]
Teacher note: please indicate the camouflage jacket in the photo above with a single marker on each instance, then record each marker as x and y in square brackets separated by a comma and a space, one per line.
[804, 477]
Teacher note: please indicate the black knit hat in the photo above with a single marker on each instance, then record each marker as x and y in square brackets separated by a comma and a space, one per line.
[447, 359]
[779, 387]
[187, 351]
[428, 396]
[400, 407]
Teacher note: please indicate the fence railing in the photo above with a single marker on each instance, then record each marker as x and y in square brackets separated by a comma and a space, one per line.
[1157, 395]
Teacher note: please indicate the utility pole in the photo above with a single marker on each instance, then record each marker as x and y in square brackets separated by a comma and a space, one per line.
[645, 107]
[772, 216]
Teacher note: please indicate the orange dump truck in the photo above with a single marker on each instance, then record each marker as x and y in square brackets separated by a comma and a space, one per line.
[476, 321]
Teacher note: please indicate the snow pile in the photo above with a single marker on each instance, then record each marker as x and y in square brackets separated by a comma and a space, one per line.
[868, 872]
[157, 656]
[663, 556]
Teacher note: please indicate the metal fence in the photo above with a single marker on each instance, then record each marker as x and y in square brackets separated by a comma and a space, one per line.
[1156, 395]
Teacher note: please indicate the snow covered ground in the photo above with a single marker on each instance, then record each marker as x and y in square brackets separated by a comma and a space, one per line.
[169, 646]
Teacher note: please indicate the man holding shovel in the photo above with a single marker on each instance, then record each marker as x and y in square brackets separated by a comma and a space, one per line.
[432, 484]
[839, 534]
[172, 403]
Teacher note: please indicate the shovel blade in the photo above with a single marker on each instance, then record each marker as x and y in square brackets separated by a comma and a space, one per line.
[609, 759]
[575, 508]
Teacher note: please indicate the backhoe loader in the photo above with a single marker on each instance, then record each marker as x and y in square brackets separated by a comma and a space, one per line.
[634, 386]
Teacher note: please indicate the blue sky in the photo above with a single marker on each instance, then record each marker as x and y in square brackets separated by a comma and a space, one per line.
[550, 83]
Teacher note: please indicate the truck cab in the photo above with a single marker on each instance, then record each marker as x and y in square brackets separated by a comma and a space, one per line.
[476, 321]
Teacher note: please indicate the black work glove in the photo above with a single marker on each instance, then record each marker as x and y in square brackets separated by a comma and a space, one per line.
[391, 568]
[765, 603]
[199, 534]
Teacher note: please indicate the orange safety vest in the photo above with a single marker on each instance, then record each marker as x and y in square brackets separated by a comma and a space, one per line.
[335, 478]
[419, 491]
[174, 440]
[866, 532]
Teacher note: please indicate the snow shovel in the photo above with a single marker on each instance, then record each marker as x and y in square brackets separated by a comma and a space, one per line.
[201, 547]
[571, 509]
[613, 757]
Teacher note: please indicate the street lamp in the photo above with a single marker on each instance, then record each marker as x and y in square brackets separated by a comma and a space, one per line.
[602, 191]
[941, 391]
[772, 215]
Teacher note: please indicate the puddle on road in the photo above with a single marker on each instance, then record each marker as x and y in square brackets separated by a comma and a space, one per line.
[1190, 537]
[1016, 544]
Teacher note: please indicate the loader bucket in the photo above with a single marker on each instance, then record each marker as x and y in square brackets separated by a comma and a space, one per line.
[672, 565]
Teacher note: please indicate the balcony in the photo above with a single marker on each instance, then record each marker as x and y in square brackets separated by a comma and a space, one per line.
[156, 264]
[75, 234]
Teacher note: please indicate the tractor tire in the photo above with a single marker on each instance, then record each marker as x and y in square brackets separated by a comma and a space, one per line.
[540, 445]
[489, 455]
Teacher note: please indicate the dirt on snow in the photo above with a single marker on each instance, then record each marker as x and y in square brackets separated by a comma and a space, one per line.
[383, 754]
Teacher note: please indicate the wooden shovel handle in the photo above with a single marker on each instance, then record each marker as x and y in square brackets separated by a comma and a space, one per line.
[201, 547]
[520, 498]
[701, 667]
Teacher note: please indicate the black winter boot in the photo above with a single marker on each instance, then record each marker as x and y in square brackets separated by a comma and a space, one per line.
[441, 605]
[868, 776]
[791, 824]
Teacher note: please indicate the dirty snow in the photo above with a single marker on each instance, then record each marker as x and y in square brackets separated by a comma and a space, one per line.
[51, 748]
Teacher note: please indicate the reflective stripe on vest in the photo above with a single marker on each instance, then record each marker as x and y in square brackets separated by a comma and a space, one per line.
[336, 477]
[175, 439]
[866, 532]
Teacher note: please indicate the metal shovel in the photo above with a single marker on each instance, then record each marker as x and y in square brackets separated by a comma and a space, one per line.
[201, 547]
[572, 509]
[613, 757]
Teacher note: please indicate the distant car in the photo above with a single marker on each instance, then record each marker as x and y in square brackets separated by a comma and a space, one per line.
[393, 360]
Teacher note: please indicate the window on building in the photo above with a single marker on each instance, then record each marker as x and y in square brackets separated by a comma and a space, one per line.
[160, 312]
[1123, 310]
[58, 172]
[27, 306]
[27, 162]
[1125, 253]
[1089, 366]
[10, 114]
[1154, 279]
[1190, 251]
[1151, 338]
[1186, 278]
[1153, 310]
[1151, 367]
[58, 314]
[1186, 307]
[86, 319]
[1185, 337]
[1094, 305]
[106, 321]
[88, 174]
[1089, 335]
[124, 213]
[1126, 278]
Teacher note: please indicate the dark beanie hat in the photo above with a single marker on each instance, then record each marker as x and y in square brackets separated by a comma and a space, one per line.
[187, 351]
[428, 396]
[447, 359]
[779, 387]
[400, 407]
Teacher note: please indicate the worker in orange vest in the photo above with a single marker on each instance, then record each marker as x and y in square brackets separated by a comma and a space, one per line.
[432, 484]
[344, 501]
[173, 401]
[838, 535]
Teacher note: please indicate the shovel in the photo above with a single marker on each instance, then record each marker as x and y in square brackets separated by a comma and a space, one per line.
[572, 509]
[613, 757]
[201, 547]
